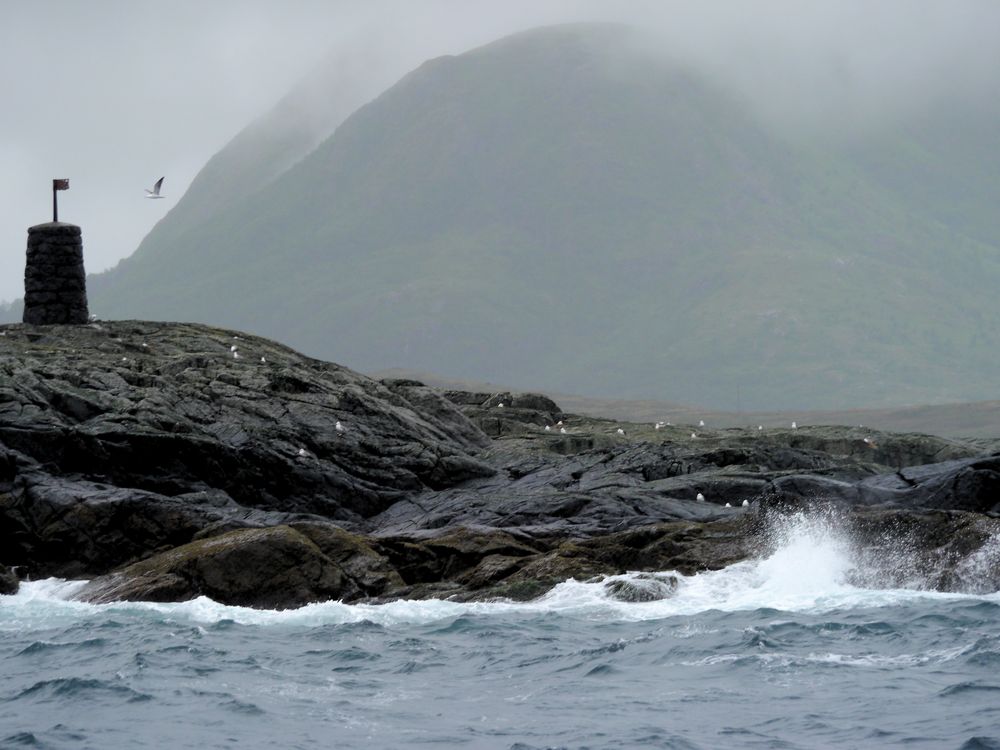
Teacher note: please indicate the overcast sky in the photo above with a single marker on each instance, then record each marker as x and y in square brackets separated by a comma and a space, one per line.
[113, 94]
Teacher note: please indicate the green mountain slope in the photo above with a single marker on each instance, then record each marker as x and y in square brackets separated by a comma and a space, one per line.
[257, 155]
[563, 211]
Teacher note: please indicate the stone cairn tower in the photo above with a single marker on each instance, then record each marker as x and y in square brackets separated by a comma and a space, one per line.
[55, 286]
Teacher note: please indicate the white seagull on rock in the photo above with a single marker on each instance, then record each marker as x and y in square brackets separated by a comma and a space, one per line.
[155, 192]
[700, 498]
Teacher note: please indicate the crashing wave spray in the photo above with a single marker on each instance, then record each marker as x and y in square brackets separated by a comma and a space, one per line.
[820, 560]
[816, 561]
[979, 573]
[806, 564]
[810, 553]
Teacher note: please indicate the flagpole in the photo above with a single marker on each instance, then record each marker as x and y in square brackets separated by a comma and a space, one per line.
[57, 185]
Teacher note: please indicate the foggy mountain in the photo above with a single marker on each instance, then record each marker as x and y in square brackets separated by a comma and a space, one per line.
[569, 209]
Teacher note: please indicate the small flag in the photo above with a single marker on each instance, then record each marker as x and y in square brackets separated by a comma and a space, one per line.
[60, 184]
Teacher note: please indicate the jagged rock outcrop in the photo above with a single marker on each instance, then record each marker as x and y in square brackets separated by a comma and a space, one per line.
[118, 440]
[166, 461]
[274, 567]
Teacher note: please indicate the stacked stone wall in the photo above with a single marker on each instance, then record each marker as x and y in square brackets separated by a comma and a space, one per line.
[55, 284]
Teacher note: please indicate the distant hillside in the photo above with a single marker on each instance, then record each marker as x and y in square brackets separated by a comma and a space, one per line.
[562, 209]
[255, 157]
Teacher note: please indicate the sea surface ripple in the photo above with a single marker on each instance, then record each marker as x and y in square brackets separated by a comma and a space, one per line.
[776, 653]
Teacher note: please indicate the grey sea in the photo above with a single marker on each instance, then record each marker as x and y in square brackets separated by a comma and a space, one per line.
[780, 652]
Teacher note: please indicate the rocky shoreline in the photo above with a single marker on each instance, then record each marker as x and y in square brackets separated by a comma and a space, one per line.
[164, 461]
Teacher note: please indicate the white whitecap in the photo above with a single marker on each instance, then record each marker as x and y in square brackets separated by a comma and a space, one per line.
[808, 571]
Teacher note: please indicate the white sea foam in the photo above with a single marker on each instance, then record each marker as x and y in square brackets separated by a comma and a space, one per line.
[980, 571]
[810, 570]
[932, 656]
[870, 660]
[50, 600]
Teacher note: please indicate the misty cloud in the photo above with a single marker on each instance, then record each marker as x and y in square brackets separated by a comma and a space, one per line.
[116, 95]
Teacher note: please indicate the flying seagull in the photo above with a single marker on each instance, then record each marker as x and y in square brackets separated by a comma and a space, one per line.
[155, 192]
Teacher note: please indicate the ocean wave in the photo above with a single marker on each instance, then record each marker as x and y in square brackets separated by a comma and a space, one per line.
[41, 648]
[78, 688]
[811, 569]
[962, 688]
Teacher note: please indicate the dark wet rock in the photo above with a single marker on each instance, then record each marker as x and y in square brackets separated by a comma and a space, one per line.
[458, 554]
[642, 588]
[277, 567]
[535, 402]
[431, 404]
[171, 408]
[74, 529]
[156, 457]
[971, 484]
[9, 583]
[680, 546]
[119, 439]
[798, 491]
[499, 414]
[967, 484]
